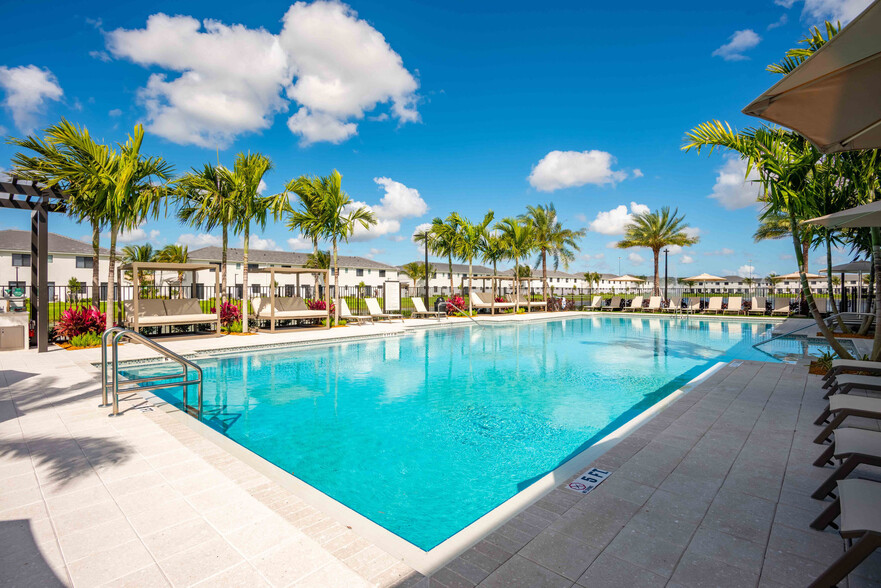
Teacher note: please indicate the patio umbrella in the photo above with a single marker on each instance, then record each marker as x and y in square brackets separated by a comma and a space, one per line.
[832, 98]
[797, 276]
[626, 278]
[867, 215]
[703, 278]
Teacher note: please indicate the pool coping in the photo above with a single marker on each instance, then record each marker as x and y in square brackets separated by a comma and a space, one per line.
[426, 562]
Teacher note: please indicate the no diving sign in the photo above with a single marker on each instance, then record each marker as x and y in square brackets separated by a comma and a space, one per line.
[588, 480]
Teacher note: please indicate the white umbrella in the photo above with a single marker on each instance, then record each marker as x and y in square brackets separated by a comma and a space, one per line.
[703, 278]
[797, 276]
[626, 278]
[832, 98]
[867, 215]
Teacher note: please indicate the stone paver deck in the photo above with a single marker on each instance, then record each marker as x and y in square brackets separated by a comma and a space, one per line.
[712, 492]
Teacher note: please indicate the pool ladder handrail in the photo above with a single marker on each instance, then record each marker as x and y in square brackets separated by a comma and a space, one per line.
[120, 333]
[775, 337]
[463, 313]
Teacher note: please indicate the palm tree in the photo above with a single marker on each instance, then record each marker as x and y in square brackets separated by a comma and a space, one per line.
[551, 239]
[592, 278]
[416, 271]
[176, 254]
[249, 206]
[205, 203]
[656, 230]
[339, 219]
[64, 164]
[306, 218]
[469, 241]
[494, 250]
[772, 279]
[442, 242]
[520, 243]
[142, 254]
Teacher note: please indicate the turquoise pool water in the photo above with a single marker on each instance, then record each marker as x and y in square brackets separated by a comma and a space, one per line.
[425, 433]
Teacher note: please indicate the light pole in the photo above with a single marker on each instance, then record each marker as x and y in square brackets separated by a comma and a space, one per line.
[666, 251]
[619, 266]
[427, 273]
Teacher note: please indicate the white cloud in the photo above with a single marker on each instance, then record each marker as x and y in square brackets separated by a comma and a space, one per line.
[833, 10]
[224, 80]
[739, 42]
[686, 259]
[746, 271]
[779, 22]
[260, 243]
[567, 169]
[673, 249]
[100, 55]
[723, 251]
[637, 173]
[28, 88]
[261, 187]
[397, 203]
[588, 256]
[115, 112]
[135, 235]
[733, 188]
[300, 243]
[614, 222]
[636, 258]
[692, 232]
[419, 228]
[374, 252]
[581, 217]
[200, 240]
[612, 245]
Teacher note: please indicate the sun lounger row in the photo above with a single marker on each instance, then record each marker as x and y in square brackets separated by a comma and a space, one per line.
[856, 502]
[715, 305]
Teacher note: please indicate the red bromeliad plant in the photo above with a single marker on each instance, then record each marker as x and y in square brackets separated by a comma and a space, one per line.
[456, 301]
[229, 314]
[80, 320]
[320, 305]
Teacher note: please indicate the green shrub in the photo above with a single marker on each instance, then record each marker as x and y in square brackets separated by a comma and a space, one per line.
[86, 340]
[825, 360]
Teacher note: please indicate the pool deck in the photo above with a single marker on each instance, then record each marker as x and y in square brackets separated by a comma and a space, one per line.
[713, 491]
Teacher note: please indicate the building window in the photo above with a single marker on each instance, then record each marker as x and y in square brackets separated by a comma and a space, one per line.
[84, 262]
[252, 267]
[359, 272]
[238, 266]
[381, 273]
[369, 272]
[21, 259]
[49, 259]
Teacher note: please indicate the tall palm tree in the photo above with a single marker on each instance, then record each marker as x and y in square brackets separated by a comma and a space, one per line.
[494, 250]
[176, 254]
[318, 260]
[592, 278]
[416, 271]
[204, 196]
[656, 230]
[250, 207]
[306, 218]
[520, 243]
[551, 239]
[64, 164]
[470, 237]
[339, 219]
[442, 242]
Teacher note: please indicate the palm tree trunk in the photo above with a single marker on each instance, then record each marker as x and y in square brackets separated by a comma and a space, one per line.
[450, 262]
[656, 291]
[876, 262]
[544, 274]
[180, 286]
[517, 286]
[805, 253]
[336, 285]
[110, 308]
[806, 290]
[844, 328]
[867, 322]
[314, 276]
[223, 263]
[245, 296]
[96, 263]
[470, 290]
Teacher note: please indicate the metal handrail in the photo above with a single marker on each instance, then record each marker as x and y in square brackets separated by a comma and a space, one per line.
[471, 318]
[120, 333]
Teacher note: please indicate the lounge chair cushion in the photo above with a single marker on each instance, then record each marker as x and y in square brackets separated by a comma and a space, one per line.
[146, 308]
[293, 304]
[185, 306]
[859, 506]
[179, 319]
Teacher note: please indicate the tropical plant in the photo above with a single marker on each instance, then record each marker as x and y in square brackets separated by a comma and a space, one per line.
[339, 217]
[204, 196]
[442, 242]
[592, 278]
[656, 230]
[551, 239]
[319, 260]
[416, 271]
[455, 304]
[306, 219]
[139, 254]
[249, 206]
[85, 340]
[78, 320]
[75, 288]
[469, 242]
[175, 254]
[229, 315]
[520, 243]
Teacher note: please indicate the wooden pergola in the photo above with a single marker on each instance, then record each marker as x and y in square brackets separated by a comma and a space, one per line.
[297, 271]
[492, 287]
[40, 202]
[137, 267]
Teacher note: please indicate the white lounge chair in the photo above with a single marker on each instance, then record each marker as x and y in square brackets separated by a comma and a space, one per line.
[347, 315]
[419, 305]
[635, 304]
[757, 305]
[654, 304]
[715, 305]
[595, 304]
[523, 301]
[735, 305]
[694, 305]
[478, 302]
[781, 306]
[376, 312]
[674, 304]
[614, 304]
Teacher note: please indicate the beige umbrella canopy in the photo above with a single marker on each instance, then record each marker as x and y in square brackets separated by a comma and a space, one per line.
[626, 278]
[703, 278]
[867, 215]
[833, 97]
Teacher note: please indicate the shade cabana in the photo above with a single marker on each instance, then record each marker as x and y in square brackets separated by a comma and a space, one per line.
[158, 313]
[797, 276]
[295, 271]
[832, 97]
[703, 278]
[29, 196]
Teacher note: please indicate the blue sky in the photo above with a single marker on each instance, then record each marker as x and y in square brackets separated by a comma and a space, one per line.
[427, 108]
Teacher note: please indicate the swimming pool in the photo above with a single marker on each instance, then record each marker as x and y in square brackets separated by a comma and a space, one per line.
[425, 433]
